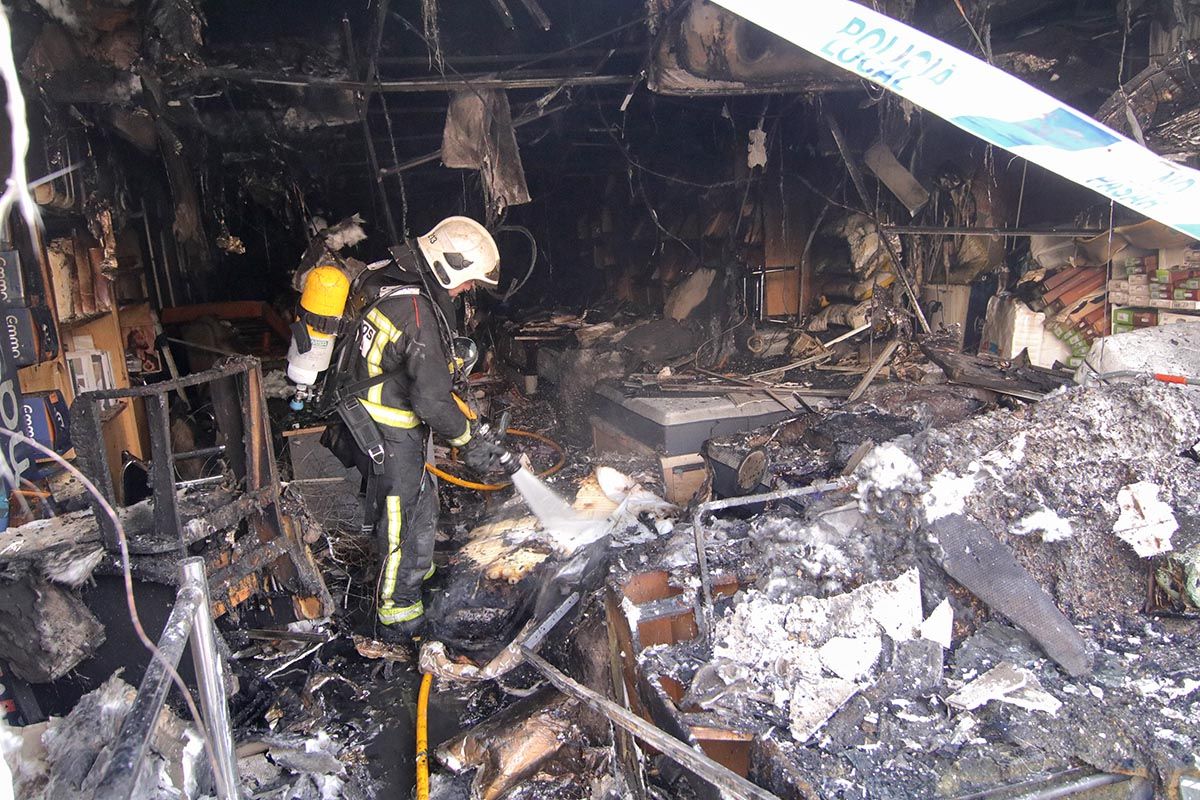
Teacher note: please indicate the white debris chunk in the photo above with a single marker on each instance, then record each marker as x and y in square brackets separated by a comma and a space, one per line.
[1033, 698]
[1008, 683]
[1146, 523]
[1052, 527]
[810, 654]
[939, 625]
[812, 704]
[851, 658]
[947, 494]
[888, 468]
[992, 685]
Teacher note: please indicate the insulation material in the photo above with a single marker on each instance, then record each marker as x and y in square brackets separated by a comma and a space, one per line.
[45, 630]
[1170, 350]
[77, 749]
[1011, 328]
[479, 135]
[844, 314]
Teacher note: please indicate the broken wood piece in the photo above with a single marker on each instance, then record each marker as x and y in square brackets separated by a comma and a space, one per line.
[728, 782]
[268, 635]
[873, 372]
[804, 362]
[895, 177]
[866, 447]
[856, 176]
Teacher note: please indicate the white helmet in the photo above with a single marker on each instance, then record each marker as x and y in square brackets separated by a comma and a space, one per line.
[458, 250]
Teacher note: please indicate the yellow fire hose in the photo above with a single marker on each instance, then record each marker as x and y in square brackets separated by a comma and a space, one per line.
[495, 487]
[423, 737]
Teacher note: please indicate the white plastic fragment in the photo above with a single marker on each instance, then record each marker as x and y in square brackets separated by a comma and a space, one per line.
[1146, 523]
[939, 625]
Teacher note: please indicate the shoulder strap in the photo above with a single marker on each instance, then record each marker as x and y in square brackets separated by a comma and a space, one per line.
[351, 389]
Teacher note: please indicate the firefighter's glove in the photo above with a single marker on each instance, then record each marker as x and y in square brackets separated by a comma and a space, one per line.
[481, 454]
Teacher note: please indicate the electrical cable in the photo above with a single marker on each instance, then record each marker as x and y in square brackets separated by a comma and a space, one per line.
[127, 573]
[495, 487]
[423, 737]
[518, 285]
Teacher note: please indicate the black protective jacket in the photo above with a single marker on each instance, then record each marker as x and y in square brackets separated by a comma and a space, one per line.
[400, 334]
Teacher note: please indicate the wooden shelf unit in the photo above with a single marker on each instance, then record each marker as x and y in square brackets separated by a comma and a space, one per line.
[124, 429]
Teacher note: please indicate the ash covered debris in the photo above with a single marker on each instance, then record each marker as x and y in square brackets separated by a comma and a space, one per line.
[1065, 459]
[957, 699]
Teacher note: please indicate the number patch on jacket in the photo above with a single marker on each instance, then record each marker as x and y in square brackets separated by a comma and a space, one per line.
[366, 338]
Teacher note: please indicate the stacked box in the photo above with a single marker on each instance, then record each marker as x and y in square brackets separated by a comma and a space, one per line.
[46, 420]
[13, 291]
[1133, 265]
[27, 336]
[1168, 318]
[1134, 317]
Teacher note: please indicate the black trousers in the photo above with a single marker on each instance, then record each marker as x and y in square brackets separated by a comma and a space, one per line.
[403, 502]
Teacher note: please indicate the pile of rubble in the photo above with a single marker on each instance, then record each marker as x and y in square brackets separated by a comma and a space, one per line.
[860, 669]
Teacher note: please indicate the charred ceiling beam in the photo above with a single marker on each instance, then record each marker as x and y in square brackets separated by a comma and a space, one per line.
[416, 85]
[582, 54]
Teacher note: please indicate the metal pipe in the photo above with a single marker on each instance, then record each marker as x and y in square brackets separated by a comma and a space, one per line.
[134, 740]
[936, 230]
[1081, 785]
[435, 84]
[1049, 788]
[734, 502]
[210, 682]
[202, 452]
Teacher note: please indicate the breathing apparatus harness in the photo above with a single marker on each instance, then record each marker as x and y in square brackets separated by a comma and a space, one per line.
[336, 394]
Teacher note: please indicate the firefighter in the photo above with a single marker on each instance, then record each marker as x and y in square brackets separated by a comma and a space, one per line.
[398, 390]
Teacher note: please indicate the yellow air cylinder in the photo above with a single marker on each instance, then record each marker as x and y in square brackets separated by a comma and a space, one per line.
[323, 301]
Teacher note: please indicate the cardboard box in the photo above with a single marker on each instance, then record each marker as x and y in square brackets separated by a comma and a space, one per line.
[1171, 317]
[1118, 298]
[45, 418]
[1138, 280]
[1118, 286]
[1160, 303]
[1145, 319]
[1186, 294]
[683, 476]
[13, 291]
[1120, 327]
[28, 336]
